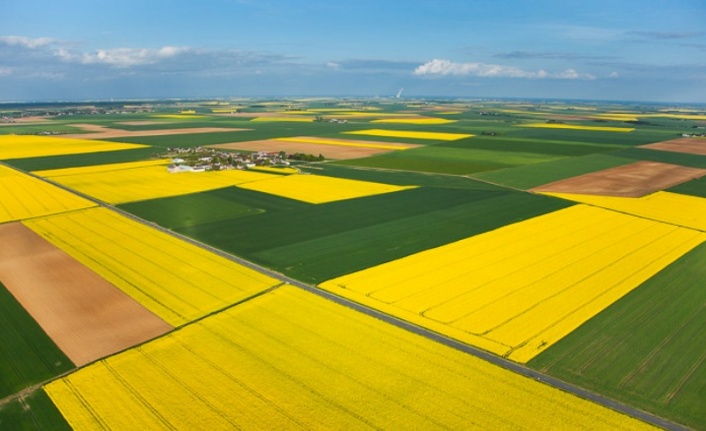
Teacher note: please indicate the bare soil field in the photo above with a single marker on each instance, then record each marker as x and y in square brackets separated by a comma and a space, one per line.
[632, 180]
[87, 317]
[681, 145]
[100, 132]
[336, 152]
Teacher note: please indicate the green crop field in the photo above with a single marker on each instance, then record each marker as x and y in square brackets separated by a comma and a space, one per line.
[693, 188]
[32, 412]
[526, 177]
[27, 354]
[78, 160]
[646, 349]
[691, 160]
[526, 145]
[449, 160]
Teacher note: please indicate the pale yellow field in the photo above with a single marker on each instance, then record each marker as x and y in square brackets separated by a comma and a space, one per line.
[100, 168]
[361, 144]
[291, 360]
[291, 118]
[519, 289]
[415, 121]
[674, 208]
[275, 169]
[24, 196]
[317, 189]
[407, 134]
[18, 147]
[177, 281]
[127, 182]
[576, 127]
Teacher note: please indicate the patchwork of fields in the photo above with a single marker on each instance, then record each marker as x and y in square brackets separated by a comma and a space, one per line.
[568, 240]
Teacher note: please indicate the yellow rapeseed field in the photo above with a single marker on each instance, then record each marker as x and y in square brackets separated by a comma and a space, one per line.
[290, 118]
[291, 360]
[519, 289]
[128, 182]
[361, 144]
[24, 196]
[577, 127]
[414, 121]
[440, 136]
[100, 168]
[674, 208]
[177, 281]
[19, 147]
[317, 189]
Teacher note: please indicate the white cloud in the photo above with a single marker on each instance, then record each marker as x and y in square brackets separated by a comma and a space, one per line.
[123, 57]
[27, 42]
[613, 75]
[333, 65]
[438, 67]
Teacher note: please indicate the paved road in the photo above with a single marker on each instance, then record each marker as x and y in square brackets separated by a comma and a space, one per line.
[494, 359]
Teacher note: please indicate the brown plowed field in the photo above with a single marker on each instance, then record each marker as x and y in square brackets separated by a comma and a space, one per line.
[87, 317]
[681, 145]
[336, 152]
[632, 180]
[105, 132]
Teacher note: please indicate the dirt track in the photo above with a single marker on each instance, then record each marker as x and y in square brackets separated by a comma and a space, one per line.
[632, 180]
[681, 145]
[87, 317]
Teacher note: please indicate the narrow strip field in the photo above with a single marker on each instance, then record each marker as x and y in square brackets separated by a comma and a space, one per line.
[439, 136]
[270, 363]
[577, 127]
[317, 189]
[27, 355]
[348, 143]
[87, 317]
[674, 208]
[18, 147]
[562, 269]
[177, 281]
[24, 196]
[128, 182]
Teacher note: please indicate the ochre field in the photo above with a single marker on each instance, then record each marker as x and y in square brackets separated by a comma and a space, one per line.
[18, 147]
[177, 281]
[270, 363]
[127, 182]
[673, 208]
[24, 196]
[317, 189]
[440, 136]
[519, 289]
[577, 127]
[347, 143]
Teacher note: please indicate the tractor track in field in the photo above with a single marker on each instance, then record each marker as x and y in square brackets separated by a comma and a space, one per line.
[424, 332]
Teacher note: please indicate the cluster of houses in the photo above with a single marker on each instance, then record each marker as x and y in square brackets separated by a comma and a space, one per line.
[201, 159]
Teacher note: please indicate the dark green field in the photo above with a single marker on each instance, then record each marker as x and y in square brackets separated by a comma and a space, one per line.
[691, 160]
[78, 160]
[317, 242]
[693, 188]
[647, 349]
[33, 412]
[27, 355]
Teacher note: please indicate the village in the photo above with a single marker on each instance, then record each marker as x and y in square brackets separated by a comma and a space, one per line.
[201, 159]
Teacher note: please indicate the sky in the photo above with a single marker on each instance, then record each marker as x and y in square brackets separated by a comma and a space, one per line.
[637, 50]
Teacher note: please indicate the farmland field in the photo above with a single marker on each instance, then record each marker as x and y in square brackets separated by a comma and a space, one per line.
[270, 364]
[78, 160]
[518, 301]
[28, 356]
[16, 147]
[646, 349]
[32, 412]
[177, 281]
[24, 196]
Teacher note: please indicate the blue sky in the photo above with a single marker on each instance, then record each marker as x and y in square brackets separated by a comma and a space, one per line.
[642, 50]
